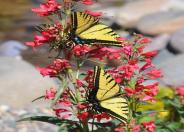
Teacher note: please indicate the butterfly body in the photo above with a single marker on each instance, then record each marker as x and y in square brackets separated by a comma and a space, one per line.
[105, 97]
[87, 29]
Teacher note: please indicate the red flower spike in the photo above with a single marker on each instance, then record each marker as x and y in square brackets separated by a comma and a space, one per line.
[79, 83]
[87, 2]
[119, 129]
[129, 91]
[137, 128]
[92, 13]
[47, 8]
[180, 90]
[149, 54]
[47, 71]
[50, 94]
[83, 116]
[55, 68]
[80, 50]
[147, 65]
[149, 126]
[101, 116]
[154, 74]
[144, 41]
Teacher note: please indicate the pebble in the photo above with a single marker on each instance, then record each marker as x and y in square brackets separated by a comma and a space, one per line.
[158, 43]
[173, 73]
[20, 83]
[8, 120]
[161, 22]
[162, 56]
[131, 12]
[177, 41]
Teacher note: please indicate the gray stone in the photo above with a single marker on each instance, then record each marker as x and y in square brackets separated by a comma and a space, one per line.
[131, 12]
[177, 41]
[20, 83]
[162, 56]
[161, 22]
[173, 70]
[12, 48]
[158, 43]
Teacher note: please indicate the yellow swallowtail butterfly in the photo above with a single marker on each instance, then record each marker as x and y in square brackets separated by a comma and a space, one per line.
[87, 29]
[106, 96]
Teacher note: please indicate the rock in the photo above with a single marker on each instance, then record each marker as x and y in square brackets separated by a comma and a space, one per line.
[158, 43]
[174, 5]
[173, 70]
[20, 83]
[162, 56]
[8, 121]
[161, 22]
[131, 12]
[12, 48]
[177, 41]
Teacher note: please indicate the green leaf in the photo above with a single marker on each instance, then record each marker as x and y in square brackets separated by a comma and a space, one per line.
[38, 98]
[48, 119]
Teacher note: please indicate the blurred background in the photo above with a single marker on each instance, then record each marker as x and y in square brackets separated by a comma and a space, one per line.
[20, 83]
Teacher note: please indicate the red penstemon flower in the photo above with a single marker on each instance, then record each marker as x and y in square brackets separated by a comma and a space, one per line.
[149, 126]
[55, 68]
[153, 74]
[47, 8]
[101, 116]
[92, 13]
[149, 54]
[80, 50]
[87, 2]
[84, 116]
[180, 92]
[50, 94]
[38, 40]
[137, 128]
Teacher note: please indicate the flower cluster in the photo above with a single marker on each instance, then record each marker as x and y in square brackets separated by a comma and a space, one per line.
[47, 8]
[135, 73]
[180, 92]
[52, 70]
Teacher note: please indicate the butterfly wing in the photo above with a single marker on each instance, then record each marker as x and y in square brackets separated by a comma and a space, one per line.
[105, 84]
[82, 21]
[117, 107]
[100, 34]
[90, 31]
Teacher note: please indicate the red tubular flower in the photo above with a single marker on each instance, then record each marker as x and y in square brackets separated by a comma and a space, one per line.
[101, 116]
[38, 40]
[144, 41]
[58, 66]
[62, 113]
[47, 8]
[47, 71]
[149, 54]
[127, 50]
[147, 65]
[129, 91]
[80, 50]
[180, 90]
[137, 128]
[83, 116]
[50, 94]
[79, 83]
[149, 126]
[128, 70]
[87, 2]
[154, 74]
[92, 13]
[119, 129]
